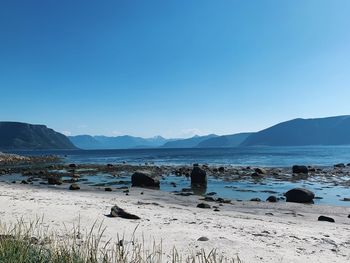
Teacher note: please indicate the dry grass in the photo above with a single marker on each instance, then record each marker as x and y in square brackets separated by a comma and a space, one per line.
[33, 243]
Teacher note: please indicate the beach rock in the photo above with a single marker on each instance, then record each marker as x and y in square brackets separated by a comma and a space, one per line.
[72, 165]
[348, 216]
[24, 182]
[209, 199]
[326, 218]
[300, 169]
[74, 187]
[256, 199]
[260, 171]
[203, 239]
[339, 165]
[346, 199]
[221, 169]
[116, 211]
[108, 189]
[145, 179]
[54, 180]
[256, 175]
[198, 176]
[203, 205]
[272, 199]
[300, 195]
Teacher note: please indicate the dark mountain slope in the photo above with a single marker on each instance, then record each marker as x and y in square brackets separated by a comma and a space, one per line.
[233, 140]
[24, 136]
[300, 132]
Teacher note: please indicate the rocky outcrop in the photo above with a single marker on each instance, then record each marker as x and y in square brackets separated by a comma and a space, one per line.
[300, 169]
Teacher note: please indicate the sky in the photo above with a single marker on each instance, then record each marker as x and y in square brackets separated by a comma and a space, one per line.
[173, 68]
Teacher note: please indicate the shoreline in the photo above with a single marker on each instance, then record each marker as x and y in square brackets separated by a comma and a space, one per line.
[264, 232]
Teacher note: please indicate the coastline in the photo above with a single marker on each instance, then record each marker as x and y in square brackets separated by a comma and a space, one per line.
[264, 232]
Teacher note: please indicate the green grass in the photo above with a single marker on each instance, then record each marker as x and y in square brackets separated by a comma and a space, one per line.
[32, 243]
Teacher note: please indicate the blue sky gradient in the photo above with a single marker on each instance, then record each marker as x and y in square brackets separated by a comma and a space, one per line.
[172, 68]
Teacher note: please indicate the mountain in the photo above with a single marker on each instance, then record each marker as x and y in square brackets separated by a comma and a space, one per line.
[233, 140]
[86, 142]
[118, 142]
[188, 143]
[302, 132]
[24, 136]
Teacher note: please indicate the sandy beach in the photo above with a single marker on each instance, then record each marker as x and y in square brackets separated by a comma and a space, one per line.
[256, 232]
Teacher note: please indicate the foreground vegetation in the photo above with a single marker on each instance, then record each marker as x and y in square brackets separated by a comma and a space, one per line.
[31, 243]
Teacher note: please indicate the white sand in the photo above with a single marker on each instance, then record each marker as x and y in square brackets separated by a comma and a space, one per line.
[291, 234]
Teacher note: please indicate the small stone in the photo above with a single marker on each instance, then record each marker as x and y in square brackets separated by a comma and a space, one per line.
[326, 218]
[108, 189]
[203, 239]
[272, 199]
[74, 187]
[255, 199]
[203, 205]
[24, 182]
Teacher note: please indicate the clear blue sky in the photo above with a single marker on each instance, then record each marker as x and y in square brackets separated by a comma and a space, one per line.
[172, 68]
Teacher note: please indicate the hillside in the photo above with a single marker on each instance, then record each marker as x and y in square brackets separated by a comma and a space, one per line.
[233, 140]
[188, 143]
[24, 136]
[118, 142]
[302, 132]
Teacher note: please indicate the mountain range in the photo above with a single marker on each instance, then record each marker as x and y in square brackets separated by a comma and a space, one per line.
[297, 132]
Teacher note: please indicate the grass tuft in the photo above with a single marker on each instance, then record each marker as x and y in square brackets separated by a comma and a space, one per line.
[32, 243]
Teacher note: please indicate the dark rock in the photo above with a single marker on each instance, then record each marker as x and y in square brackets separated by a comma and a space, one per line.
[272, 199]
[255, 199]
[116, 211]
[203, 205]
[222, 200]
[54, 180]
[72, 165]
[173, 184]
[198, 176]
[260, 171]
[348, 216]
[209, 199]
[203, 239]
[221, 169]
[211, 194]
[300, 195]
[145, 179]
[74, 187]
[300, 169]
[326, 218]
[346, 199]
[109, 165]
[108, 189]
[339, 165]
[216, 210]
[256, 175]
[24, 182]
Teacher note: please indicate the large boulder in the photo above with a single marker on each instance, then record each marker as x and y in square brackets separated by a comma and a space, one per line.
[300, 169]
[198, 176]
[145, 179]
[300, 195]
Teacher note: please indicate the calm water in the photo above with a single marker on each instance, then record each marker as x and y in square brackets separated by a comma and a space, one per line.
[245, 189]
[255, 156]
